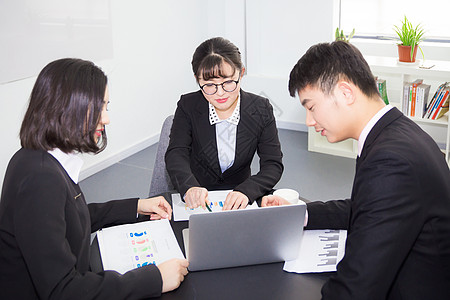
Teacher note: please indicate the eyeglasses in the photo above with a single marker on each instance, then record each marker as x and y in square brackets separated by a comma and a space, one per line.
[228, 86]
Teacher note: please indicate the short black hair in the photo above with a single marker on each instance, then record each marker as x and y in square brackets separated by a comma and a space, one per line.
[211, 54]
[324, 64]
[65, 108]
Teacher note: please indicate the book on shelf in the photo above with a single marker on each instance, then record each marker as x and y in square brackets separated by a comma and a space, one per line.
[433, 101]
[442, 104]
[413, 99]
[381, 84]
[423, 92]
[443, 109]
[439, 100]
[406, 96]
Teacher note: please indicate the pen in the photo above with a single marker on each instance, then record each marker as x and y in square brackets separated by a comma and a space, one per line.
[207, 206]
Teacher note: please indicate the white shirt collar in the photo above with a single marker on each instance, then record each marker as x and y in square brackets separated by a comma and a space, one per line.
[69, 161]
[369, 126]
[233, 119]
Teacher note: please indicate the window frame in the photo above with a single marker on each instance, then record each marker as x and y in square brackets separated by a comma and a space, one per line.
[383, 37]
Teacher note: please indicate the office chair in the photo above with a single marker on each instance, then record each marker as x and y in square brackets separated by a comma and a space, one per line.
[160, 178]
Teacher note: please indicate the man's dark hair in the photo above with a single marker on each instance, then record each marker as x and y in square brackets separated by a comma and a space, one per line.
[323, 65]
[65, 108]
[211, 54]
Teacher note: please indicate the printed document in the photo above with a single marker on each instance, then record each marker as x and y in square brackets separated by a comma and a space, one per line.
[130, 246]
[216, 200]
[320, 251]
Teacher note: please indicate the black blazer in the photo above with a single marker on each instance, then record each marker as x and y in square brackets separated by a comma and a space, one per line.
[45, 228]
[192, 158]
[398, 218]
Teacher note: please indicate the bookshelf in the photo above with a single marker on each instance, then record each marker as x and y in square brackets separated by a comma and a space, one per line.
[396, 75]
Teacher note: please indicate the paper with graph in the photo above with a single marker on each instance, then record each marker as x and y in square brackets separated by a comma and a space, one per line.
[320, 251]
[130, 246]
[216, 200]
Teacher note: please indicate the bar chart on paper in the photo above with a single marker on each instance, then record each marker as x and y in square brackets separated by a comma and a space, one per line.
[143, 248]
[130, 246]
[320, 251]
[216, 200]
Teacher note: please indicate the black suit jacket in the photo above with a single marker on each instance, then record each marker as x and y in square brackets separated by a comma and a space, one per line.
[45, 228]
[192, 158]
[398, 218]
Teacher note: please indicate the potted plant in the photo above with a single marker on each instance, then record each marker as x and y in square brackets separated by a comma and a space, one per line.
[410, 38]
[340, 36]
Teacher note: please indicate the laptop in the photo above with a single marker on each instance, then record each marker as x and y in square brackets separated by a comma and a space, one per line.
[244, 237]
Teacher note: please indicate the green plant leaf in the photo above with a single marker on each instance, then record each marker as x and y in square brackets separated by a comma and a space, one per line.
[351, 34]
[408, 34]
[340, 36]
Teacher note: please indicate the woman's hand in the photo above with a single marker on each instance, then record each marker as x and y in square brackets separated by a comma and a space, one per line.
[172, 273]
[272, 200]
[156, 207]
[196, 196]
[235, 200]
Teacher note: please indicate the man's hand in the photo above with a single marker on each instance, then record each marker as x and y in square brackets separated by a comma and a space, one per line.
[272, 200]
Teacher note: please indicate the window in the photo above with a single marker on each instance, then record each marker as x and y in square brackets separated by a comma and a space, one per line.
[34, 33]
[376, 18]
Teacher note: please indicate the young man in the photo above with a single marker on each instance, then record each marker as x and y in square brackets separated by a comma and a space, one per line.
[398, 217]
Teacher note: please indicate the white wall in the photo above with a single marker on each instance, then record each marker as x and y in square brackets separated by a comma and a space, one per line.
[153, 45]
[13, 98]
[52, 29]
[278, 34]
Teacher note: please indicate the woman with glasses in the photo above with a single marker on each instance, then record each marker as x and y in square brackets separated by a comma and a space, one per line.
[218, 129]
[45, 223]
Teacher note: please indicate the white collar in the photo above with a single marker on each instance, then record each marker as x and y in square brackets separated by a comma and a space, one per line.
[369, 126]
[233, 119]
[71, 162]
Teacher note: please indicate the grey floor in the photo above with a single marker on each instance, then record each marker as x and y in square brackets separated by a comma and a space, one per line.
[316, 176]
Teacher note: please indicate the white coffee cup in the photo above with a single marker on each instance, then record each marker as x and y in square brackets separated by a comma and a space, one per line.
[288, 194]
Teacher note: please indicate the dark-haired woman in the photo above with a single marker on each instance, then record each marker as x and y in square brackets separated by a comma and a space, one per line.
[218, 129]
[45, 223]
